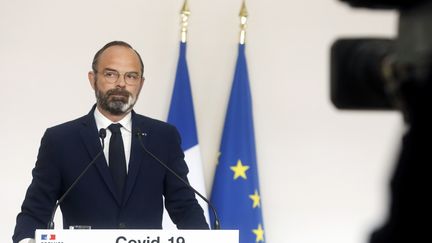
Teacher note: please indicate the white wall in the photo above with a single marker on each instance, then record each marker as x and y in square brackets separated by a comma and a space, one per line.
[323, 172]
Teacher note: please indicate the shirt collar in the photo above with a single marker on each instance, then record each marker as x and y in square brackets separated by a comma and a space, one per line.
[103, 122]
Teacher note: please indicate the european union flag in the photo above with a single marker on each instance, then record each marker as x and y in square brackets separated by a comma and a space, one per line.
[236, 193]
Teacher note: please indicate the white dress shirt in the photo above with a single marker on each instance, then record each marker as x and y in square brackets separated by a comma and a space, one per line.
[126, 131]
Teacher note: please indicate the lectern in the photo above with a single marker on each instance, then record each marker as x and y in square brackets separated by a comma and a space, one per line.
[136, 236]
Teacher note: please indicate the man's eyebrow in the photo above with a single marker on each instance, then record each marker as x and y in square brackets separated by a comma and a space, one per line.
[110, 69]
[136, 72]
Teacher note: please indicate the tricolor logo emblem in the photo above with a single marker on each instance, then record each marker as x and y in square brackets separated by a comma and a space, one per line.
[48, 237]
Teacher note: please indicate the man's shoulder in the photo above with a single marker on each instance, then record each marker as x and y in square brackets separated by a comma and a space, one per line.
[72, 126]
[149, 120]
[146, 123]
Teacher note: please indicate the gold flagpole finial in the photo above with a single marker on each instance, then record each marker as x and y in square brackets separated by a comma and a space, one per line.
[243, 22]
[185, 12]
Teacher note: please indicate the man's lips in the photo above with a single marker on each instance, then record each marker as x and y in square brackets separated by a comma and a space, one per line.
[119, 95]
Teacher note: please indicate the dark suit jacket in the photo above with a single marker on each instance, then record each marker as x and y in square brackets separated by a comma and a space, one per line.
[410, 207]
[67, 149]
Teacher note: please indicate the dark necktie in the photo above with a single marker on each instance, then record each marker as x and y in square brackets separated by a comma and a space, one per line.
[117, 160]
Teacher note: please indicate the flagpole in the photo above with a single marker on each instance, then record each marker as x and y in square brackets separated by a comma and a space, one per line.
[235, 191]
[185, 12]
[243, 22]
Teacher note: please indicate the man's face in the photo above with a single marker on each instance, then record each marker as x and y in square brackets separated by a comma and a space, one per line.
[118, 80]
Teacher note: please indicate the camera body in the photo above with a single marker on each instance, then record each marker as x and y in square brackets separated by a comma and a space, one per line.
[380, 73]
[371, 73]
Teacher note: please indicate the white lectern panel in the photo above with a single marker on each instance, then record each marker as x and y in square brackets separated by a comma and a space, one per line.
[137, 236]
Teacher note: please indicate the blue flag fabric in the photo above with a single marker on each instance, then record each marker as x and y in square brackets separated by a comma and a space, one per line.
[181, 112]
[235, 192]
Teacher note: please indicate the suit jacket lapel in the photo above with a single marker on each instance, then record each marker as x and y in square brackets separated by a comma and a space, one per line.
[91, 140]
[136, 157]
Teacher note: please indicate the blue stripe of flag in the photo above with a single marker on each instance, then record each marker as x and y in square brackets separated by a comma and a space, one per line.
[181, 113]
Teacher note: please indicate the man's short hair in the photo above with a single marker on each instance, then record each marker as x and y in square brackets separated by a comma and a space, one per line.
[114, 43]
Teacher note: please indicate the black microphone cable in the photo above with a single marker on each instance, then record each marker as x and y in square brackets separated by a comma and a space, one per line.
[216, 221]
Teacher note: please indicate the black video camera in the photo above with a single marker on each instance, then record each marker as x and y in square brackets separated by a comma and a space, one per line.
[371, 73]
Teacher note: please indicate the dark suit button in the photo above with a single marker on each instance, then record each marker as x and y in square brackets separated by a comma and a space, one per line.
[122, 226]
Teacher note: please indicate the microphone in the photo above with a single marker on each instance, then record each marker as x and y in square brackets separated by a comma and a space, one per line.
[139, 134]
[102, 135]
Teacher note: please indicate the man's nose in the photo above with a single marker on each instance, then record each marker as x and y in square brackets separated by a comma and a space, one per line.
[121, 81]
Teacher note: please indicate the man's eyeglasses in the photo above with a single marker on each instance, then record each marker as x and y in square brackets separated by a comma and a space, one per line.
[112, 76]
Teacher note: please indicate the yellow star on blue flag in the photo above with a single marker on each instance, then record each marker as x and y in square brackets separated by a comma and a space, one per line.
[255, 199]
[259, 233]
[235, 192]
[239, 170]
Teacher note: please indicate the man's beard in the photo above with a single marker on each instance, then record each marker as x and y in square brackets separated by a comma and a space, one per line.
[115, 101]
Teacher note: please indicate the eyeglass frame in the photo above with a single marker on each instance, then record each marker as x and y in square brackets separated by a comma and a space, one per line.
[140, 76]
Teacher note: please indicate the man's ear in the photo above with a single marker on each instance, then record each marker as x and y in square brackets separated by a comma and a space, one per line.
[142, 83]
[92, 78]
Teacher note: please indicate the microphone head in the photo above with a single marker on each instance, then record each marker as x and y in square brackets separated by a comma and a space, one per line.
[102, 133]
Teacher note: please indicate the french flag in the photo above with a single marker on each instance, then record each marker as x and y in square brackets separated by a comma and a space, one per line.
[182, 116]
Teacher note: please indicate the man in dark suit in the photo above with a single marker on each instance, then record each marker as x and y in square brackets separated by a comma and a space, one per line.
[410, 207]
[124, 188]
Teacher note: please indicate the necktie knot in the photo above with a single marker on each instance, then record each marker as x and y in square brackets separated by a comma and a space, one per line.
[115, 128]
